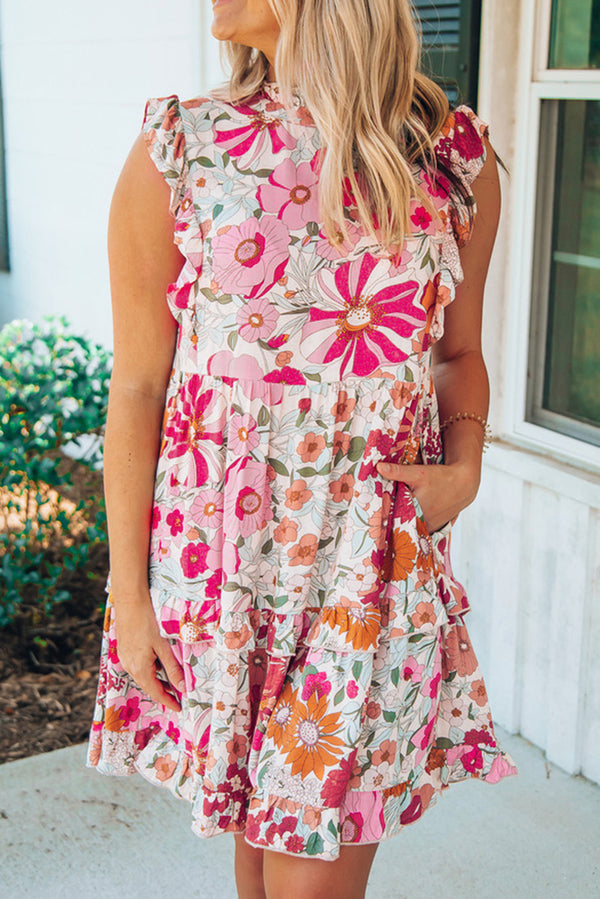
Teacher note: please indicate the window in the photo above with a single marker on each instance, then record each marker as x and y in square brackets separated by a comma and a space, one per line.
[450, 30]
[564, 370]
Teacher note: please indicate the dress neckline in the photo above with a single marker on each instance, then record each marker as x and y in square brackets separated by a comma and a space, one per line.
[271, 89]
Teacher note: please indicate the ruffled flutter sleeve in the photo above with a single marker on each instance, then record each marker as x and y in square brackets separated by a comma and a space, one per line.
[164, 134]
[461, 150]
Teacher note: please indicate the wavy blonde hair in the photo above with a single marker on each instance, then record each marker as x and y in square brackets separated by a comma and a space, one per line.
[356, 66]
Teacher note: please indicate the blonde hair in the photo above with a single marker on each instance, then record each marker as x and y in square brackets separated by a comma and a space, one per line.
[356, 66]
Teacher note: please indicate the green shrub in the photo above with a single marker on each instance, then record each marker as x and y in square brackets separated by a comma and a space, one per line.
[53, 398]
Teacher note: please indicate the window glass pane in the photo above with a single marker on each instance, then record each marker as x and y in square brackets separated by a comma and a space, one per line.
[571, 385]
[575, 35]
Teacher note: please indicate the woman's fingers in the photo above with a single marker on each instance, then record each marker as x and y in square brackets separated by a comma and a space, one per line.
[172, 668]
[409, 474]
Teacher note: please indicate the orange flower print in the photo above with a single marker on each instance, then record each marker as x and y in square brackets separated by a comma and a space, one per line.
[304, 552]
[404, 551]
[423, 614]
[478, 692]
[458, 655]
[297, 495]
[237, 748]
[164, 766]
[342, 409]
[286, 531]
[342, 488]
[424, 547]
[311, 447]
[280, 720]
[384, 754]
[359, 623]
[311, 743]
[113, 719]
[435, 759]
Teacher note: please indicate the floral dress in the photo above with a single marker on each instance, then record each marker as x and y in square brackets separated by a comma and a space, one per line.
[331, 690]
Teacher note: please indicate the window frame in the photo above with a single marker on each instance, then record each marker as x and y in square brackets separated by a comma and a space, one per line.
[528, 283]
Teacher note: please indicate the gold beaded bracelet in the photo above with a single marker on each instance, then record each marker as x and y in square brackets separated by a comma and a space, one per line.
[461, 416]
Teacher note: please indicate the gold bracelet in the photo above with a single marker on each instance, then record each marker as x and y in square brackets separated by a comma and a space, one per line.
[471, 416]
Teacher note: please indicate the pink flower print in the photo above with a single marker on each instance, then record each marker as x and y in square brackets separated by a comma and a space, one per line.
[291, 193]
[256, 319]
[252, 135]
[247, 504]
[352, 689]
[207, 509]
[192, 424]
[352, 828]
[231, 557]
[370, 318]
[412, 670]
[193, 559]
[156, 516]
[249, 258]
[242, 434]
[335, 251]
[130, 712]
[175, 522]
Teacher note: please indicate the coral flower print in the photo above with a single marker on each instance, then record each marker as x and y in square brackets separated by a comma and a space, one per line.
[292, 194]
[251, 257]
[331, 691]
[370, 320]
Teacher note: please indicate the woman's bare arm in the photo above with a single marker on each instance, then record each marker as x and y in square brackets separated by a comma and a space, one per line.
[460, 374]
[143, 262]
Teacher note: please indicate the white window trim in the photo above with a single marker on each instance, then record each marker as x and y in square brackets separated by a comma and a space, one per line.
[536, 84]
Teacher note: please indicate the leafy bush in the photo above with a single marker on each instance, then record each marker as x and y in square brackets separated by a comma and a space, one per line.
[53, 398]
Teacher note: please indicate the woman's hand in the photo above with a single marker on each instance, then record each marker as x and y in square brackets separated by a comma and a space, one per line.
[140, 645]
[442, 490]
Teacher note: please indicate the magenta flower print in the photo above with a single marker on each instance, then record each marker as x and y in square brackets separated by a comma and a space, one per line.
[193, 559]
[257, 318]
[247, 502]
[372, 320]
[291, 193]
[249, 258]
[198, 420]
[251, 135]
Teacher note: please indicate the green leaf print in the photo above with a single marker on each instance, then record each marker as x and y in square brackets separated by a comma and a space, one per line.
[314, 844]
[395, 676]
[267, 547]
[390, 717]
[307, 472]
[232, 339]
[204, 161]
[278, 466]
[339, 696]
[444, 743]
[312, 228]
[408, 375]
[357, 448]
[217, 210]
[356, 669]
[332, 829]
[300, 419]
[263, 418]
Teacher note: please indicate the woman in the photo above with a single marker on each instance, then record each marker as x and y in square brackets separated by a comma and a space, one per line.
[284, 641]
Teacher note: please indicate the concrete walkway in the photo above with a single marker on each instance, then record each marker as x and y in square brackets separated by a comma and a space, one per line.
[67, 831]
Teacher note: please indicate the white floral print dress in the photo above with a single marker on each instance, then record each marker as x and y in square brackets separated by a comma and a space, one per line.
[331, 691]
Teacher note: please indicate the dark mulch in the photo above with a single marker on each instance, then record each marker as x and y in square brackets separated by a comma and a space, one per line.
[49, 667]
